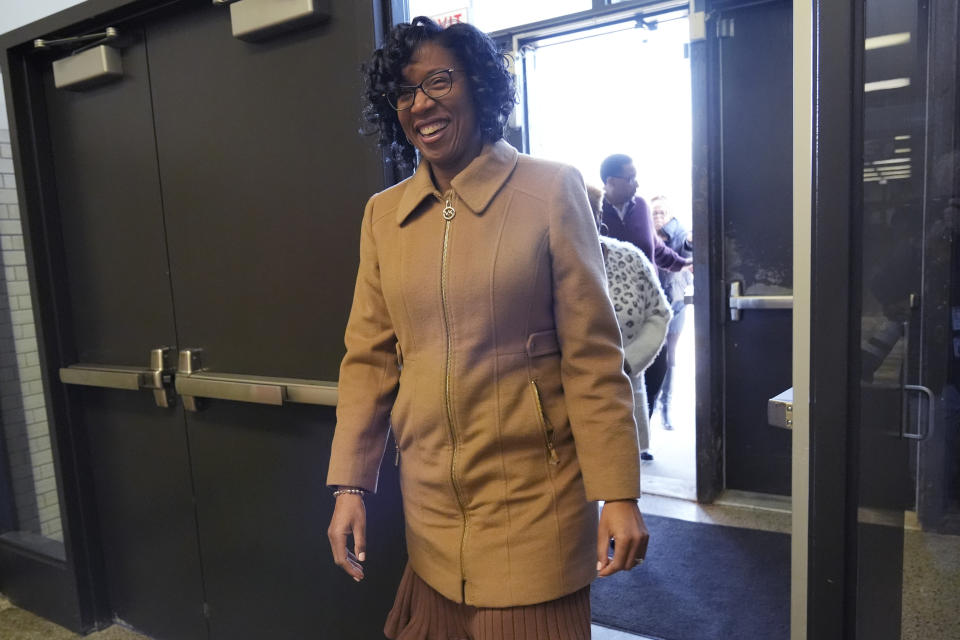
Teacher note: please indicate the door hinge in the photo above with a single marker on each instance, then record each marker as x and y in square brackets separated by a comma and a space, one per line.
[725, 28]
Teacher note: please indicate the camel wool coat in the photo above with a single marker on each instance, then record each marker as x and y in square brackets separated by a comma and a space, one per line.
[482, 333]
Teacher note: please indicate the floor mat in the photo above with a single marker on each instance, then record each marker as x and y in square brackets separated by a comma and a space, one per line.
[701, 582]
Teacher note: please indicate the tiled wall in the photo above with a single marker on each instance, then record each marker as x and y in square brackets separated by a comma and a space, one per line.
[22, 408]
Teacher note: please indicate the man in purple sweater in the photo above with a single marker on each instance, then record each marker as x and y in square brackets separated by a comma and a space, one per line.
[627, 217]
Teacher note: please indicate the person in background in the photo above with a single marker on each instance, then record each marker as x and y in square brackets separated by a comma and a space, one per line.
[628, 218]
[482, 335]
[675, 283]
[643, 312]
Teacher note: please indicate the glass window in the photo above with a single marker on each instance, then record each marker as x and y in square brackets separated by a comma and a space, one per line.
[494, 15]
[29, 500]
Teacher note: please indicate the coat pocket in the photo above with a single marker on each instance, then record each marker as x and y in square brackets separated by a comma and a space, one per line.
[545, 426]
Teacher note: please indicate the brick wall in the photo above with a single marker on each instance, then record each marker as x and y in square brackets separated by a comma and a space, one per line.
[22, 409]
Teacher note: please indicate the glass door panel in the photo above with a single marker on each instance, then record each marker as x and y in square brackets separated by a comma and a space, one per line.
[908, 538]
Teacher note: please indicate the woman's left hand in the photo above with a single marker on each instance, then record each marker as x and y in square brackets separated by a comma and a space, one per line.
[621, 521]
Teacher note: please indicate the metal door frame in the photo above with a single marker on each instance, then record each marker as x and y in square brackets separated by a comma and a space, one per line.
[828, 149]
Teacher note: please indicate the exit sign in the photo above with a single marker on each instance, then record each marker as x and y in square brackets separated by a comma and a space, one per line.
[448, 18]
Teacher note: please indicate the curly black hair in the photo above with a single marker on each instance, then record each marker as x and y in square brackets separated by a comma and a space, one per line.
[493, 89]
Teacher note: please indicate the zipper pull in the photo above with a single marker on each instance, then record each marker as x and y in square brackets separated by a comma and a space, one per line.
[449, 211]
[554, 458]
[396, 456]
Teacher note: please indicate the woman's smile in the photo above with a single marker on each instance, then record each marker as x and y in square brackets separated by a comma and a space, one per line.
[430, 131]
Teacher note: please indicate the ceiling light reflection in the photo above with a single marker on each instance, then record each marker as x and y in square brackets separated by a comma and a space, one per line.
[888, 40]
[885, 85]
[892, 161]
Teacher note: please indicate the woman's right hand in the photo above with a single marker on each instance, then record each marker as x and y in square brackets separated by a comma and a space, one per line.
[349, 518]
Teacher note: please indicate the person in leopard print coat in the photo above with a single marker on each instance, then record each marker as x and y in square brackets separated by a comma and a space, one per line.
[642, 310]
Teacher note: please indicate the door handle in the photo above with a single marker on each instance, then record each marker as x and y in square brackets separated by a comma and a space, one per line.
[194, 384]
[920, 435]
[739, 302]
[915, 388]
[158, 378]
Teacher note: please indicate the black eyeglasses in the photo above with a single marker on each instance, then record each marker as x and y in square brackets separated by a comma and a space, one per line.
[435, 85]
[627, 178]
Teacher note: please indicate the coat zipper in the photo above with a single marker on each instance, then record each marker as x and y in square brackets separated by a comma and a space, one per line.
[396, 440]
[545, 425]
[448, 214]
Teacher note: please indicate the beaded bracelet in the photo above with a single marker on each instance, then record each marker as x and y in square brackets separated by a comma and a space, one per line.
[351, 490]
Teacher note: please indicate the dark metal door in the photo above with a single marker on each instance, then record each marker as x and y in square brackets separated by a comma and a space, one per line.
[115, 254]
[754, 202]
[211, 199]
[264, 180]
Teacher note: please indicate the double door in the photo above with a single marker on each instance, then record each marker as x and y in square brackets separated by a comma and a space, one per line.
[209, 202]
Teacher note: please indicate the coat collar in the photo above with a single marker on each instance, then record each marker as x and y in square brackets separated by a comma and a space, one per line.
[476, 185]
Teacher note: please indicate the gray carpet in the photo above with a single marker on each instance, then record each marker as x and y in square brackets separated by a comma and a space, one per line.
[701, 582]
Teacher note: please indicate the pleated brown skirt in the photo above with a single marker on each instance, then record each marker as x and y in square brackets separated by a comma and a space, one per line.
[420, 613]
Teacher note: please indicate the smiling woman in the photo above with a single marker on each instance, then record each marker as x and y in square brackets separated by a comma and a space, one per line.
[445, 132]
[477, 74]
[481, 334]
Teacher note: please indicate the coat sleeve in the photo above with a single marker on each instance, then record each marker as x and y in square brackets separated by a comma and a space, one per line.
[666, 258]
[597, 393]
[648, 341]
[369, 376]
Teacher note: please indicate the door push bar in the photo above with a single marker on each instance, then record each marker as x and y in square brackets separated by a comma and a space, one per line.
[158, 378]
[739, 302]
[194, 384]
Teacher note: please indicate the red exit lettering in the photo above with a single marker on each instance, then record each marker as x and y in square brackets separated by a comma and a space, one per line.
[447, 20]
